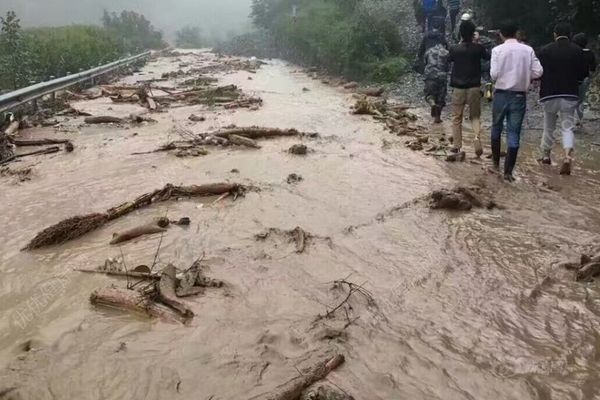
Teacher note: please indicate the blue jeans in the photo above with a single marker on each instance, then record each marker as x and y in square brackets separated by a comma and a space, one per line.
[509, 106]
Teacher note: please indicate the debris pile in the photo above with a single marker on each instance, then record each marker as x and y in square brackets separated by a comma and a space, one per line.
[78, 226]
[297, 236]
[461, 198]
[586, 268]
[161, 297]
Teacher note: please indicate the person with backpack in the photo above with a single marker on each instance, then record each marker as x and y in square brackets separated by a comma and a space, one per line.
[564, 68]
[465, 81]
[590, 59]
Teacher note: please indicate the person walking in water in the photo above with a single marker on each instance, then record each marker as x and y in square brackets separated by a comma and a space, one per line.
[466, 58]
[454, 10]
[564, 68]
[513, 66]
[434, 50]
[581, 40]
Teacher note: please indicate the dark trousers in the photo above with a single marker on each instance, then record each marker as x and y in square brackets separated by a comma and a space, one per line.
[453, 17]
[510, 107]
[436, 91]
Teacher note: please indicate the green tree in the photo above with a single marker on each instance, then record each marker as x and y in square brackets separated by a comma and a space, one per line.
[13, 53]
[134, 31]
[189, 37]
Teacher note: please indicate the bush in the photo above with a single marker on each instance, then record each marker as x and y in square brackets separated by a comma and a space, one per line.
[189, 37]
[59, 51]
[348, 37]
[40, 53]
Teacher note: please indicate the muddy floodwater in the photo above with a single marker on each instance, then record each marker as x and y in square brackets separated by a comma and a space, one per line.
[465, 305]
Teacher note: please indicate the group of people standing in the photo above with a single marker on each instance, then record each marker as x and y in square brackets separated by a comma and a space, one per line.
[563, 67]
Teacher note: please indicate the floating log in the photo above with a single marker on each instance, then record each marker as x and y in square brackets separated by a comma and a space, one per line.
[243, 141]
[39, 142]
[105, 119]
[257, 133]
[147, 229]
[133, 301]
[300, 239]
[292, 389]
[130, 274]
[13, 128]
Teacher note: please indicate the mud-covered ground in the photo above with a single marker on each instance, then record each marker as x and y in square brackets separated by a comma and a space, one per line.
[462, 305]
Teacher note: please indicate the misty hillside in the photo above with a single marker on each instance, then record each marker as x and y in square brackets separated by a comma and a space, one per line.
[214, 16]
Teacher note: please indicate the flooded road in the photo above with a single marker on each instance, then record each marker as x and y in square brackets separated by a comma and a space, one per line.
[466, 305]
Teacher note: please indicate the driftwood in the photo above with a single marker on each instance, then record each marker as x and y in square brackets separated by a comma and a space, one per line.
[292, 389]
[166, 292]
[129, 274]
[130, 300]
[75, 227]
[105, 119]
[257, 133]
[300, 239]
[243, 141]
[39, 142]
[158, 226]
[12, 129]
[48, 150]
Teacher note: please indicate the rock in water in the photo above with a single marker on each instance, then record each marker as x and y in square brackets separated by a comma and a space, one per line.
[298, 149]
[294, 178]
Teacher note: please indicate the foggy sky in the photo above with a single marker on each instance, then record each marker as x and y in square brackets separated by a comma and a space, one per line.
[168, 15]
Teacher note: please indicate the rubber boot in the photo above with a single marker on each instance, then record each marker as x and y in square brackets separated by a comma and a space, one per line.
[437, 118]
[496, 144]
[510, 162]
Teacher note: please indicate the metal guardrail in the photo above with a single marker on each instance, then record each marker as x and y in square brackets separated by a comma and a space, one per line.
[19, 97]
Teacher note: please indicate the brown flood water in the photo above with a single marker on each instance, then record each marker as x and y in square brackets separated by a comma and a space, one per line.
[454, 315]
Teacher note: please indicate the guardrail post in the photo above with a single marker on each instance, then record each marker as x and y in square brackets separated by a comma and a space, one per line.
[34, 104]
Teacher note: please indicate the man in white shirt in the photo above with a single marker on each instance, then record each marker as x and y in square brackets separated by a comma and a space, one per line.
[514, 65]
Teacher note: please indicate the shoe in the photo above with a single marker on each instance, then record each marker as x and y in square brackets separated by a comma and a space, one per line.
[545, 160]
[509, 178]
[510, 161]
[565, 168]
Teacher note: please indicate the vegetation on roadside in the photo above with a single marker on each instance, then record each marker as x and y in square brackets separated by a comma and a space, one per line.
[189, 37]
[38, 54]
[538, 17]
[355, 38]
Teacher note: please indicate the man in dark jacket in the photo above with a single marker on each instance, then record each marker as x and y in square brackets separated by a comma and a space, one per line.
[564, 68]
[466, 83]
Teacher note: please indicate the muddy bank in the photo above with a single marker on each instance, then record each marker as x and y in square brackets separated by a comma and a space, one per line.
[450, 313]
